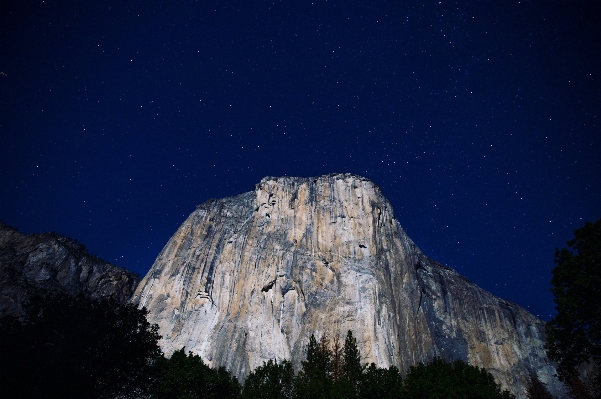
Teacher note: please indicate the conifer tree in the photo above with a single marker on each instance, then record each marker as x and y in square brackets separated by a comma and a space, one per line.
[337, 357]
[380, 383]
[313, 381]
[270, 381]
[457, 380]
[187, 377]
[352, 368]
[326, 354]
[574, 334]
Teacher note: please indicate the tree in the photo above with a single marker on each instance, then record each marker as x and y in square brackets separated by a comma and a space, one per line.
[574, 334]
[187, 377]
[536, 389]
[578, 390]
[350, 373]
[379, 383]
[352, 368]
[458, 380]
[75, 347]
[317, 378]
[314, 380]
[337, 357]
[270, 381]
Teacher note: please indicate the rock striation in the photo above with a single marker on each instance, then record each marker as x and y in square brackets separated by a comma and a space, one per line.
[250, 278]
[52, 262]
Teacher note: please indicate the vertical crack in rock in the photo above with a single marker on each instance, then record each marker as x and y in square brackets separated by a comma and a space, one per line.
[328, 255]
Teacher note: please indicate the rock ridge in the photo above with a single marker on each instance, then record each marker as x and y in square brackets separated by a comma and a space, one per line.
[52, 262]
[249, 278]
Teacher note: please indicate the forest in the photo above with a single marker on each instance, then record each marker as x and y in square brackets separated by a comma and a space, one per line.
[76, 347]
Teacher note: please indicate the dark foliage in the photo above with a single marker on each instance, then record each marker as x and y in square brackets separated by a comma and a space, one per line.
[352, 369]
[379, 383]
[76, 347]
[318, 378]
[350, 379]
[458, 380]
[337, 357]
[314, 380]
[270, 381]
[574, 334]
[578, 389]
[536, 389]
[187, 377]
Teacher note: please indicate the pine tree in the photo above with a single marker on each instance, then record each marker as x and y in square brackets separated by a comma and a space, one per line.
[574, 334]
[352, 368]
[318, 363]
[270, 381]
[326, 354]
[457, 380]
[186, 377]
[337, 357]
[314, 381]
[379, 383]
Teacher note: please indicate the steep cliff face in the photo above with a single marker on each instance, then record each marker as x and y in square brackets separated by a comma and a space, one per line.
[250, 278]
[55, 263]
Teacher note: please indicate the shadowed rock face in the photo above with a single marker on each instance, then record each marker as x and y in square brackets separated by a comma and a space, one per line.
[250, 278]
[55, 263]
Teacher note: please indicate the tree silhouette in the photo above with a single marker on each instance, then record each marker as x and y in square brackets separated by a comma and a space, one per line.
[314, 381]
[352, 367]
[574, 334]
[536, 389]
[76, 347]
[270, 381]
[441, 380]
[380, 383]
[187, 377]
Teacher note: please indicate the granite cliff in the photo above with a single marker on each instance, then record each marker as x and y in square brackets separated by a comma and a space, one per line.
[250, 278]
[55, 263]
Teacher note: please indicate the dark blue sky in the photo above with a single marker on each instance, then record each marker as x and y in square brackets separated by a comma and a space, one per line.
[478, 119]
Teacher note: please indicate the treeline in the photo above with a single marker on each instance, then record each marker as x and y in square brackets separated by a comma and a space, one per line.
[77, 347]
[333, 369]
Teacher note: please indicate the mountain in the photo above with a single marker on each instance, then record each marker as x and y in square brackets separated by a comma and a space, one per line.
[250, 278]
[52, 262]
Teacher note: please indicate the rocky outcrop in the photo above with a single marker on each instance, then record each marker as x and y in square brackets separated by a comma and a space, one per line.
[52, 262]
[250, 278]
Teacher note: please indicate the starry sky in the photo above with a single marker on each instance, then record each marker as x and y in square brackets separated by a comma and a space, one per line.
[480, 120]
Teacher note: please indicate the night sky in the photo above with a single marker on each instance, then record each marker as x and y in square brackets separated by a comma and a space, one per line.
[480, 120]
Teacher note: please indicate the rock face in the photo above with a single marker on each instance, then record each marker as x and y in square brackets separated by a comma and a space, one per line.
[250, 278]
[55, 263]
